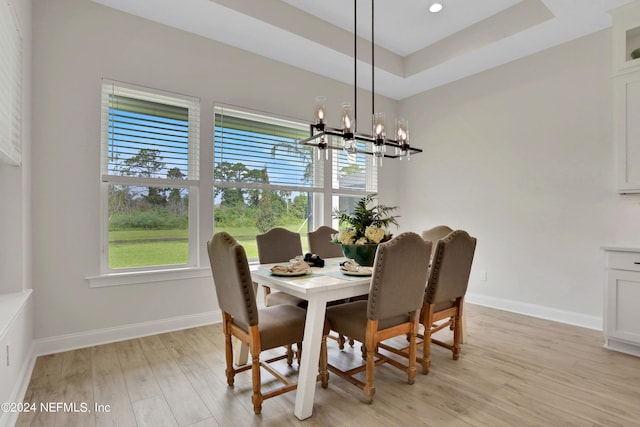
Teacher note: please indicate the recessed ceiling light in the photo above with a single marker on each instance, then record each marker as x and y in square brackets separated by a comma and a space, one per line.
[435, 7]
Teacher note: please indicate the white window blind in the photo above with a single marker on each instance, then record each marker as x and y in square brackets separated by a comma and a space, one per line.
[267, 149]
[354, 171]
[165, 127]
[10, 85]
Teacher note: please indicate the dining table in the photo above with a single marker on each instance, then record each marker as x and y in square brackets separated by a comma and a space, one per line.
[318, 286]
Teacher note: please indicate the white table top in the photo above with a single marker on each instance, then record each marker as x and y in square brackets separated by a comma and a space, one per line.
[321, 280]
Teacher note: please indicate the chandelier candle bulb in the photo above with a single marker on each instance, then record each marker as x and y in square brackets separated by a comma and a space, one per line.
[402, 133]
[319, 110]
[378, 126]
[347, 119]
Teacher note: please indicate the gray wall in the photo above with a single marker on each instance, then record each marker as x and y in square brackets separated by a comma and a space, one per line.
[520, 156]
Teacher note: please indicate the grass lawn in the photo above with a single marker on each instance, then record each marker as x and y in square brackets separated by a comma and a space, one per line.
[136, 248]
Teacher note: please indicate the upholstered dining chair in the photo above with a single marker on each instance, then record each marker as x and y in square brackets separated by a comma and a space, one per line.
[395, 298]
[260, 329]
[320, 243]
[444, 295]
[446, 288]
[279, 245]
[434, 234]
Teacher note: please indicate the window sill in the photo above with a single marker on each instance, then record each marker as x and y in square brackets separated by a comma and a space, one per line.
[137, 277]
[10, 305]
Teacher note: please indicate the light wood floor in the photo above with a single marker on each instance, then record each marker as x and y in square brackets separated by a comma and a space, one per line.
[514, 371]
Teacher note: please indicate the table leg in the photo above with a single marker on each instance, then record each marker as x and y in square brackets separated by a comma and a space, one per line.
[307, 376]
[241, 351]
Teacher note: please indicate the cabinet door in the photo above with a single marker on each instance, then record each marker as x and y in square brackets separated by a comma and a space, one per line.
[626, 110]
[622, 314]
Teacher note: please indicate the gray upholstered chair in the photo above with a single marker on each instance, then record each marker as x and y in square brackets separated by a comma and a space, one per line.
[262, 329]
[444, 295]
[395, 298]
[279, 245]
[434, 234]
[320, 243]
[446, 288]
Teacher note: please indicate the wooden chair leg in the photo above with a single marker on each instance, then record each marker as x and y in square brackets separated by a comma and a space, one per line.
[457, 330]
[411, 369]
[256, 397]
[426, 342]
[370, 346]
[341, 341]
[289, 354]
[324, 372]
[229, 371]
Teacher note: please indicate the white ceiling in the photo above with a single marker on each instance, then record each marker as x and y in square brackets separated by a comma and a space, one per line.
[415, 50]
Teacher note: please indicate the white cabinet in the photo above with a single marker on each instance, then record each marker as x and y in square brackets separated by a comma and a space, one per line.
[626, 133]
[626, 97]
[622, 300]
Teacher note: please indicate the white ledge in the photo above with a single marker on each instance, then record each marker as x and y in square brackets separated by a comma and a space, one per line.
[136, 277]
[10, 306]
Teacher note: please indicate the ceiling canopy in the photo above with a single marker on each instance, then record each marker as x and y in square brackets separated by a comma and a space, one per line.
[415, 50]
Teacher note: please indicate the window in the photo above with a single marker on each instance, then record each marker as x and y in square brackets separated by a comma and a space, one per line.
[150, 178]
[354, 175]
[263, 178]
[10, 86]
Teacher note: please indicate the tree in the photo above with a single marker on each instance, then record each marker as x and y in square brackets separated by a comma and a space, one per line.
[255, 175]
[303, 152]
[120, 199]
[147, 163]
[176, 203]
[266, 218]
[298, 208]
[230, 172]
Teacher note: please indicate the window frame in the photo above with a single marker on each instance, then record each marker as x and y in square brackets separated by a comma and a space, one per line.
[117, 276]
[10, 86]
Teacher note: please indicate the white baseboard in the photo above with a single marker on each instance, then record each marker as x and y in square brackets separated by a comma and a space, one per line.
[623, 347]
[569, 317]
[67, 342]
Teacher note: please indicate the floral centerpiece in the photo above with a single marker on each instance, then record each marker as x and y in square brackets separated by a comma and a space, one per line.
[363, 229]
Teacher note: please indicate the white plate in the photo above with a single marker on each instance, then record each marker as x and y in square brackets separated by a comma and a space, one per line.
[291, 274]
[357, 273]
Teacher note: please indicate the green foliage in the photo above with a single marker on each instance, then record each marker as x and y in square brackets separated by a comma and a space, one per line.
[235, 217]
[157, 219]
[363, 216]
[266, 218]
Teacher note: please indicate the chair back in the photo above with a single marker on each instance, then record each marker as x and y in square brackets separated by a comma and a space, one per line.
[320, 243]
[278, 245]
[450, 267]
[232, 279]
[399, 276]
[434, 234]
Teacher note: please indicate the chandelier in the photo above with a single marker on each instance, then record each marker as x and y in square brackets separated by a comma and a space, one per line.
[376, 144]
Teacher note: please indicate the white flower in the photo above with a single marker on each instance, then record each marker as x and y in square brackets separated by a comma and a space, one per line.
[374, 234]
[347, 237]
[362, 241]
